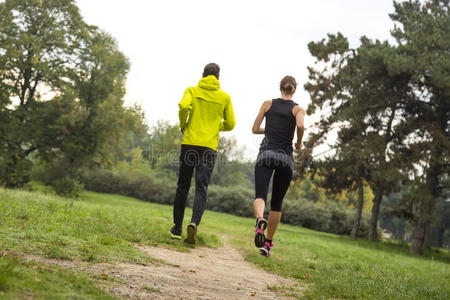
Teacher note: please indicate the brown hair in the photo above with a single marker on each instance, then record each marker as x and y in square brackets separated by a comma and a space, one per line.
[211, 69]
[288, 85]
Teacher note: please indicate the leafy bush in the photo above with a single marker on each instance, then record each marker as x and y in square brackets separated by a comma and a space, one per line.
[67, 187]
[236, 200]
[144, 187]
[332, 219]
[14, 175]
[233, 200]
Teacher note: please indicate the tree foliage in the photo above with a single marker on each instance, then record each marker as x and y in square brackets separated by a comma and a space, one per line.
[389, 107]
[61, 90]
[423, 55]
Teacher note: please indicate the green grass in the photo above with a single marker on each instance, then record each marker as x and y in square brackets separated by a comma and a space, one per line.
[30, 280]
[151, 289]
[97, 228]
[104, 228]
[334, 266]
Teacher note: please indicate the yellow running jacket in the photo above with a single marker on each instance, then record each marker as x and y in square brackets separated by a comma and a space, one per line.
[204, 111]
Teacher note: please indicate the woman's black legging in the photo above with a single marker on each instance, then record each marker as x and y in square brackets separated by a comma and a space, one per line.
[264, 169]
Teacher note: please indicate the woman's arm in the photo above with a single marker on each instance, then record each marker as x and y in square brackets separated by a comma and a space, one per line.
[256, 129]
[299, 114]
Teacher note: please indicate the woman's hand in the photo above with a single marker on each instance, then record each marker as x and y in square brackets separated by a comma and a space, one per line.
[298, 145]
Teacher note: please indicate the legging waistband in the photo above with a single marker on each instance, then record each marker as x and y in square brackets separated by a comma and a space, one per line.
[281, 157]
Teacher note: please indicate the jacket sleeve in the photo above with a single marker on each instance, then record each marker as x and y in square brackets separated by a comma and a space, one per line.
[228, 117]
[185, 107]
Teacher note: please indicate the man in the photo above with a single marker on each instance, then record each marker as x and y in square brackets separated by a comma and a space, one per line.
[204, 110]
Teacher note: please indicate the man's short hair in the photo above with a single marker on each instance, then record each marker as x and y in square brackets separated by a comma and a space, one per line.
[211, 69]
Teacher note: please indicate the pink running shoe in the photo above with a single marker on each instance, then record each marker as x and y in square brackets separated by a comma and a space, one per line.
[265, 250]
[260, 238]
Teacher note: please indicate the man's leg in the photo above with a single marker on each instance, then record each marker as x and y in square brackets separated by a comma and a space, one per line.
[203, 173]
[187, 165]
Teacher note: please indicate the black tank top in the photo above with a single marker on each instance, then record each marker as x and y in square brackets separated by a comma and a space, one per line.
[280, 126]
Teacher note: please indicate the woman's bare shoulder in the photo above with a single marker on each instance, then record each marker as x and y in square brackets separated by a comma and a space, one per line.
[267, 104]
[298, 109]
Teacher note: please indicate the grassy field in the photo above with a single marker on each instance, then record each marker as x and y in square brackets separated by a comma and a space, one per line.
[103, 228]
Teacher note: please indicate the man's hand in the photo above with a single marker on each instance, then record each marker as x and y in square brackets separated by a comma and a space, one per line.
[182, 130]
[298, 145]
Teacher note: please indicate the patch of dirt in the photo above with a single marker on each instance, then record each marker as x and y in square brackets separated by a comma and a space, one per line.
[202, 273]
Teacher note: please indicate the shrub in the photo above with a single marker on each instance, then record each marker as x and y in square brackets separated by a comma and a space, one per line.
[67, 187]
[236, 200]
[59, 176]
[233, 200]
[144, 187]
[14, 175]
[332, 219]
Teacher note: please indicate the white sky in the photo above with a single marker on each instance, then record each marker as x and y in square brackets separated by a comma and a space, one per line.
[256, 43]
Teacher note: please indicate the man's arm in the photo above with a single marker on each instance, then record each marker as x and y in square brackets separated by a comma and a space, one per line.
[185, 107]
[299, 114]
[229, 120]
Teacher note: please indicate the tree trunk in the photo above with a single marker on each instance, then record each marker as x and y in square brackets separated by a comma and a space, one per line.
[359, 207]
[428, 201]
[373, 234]
[419, 236]
[428, 236]
[440, 236]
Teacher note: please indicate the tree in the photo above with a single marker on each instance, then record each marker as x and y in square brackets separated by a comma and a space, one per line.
[396, 98]
[61, 90]
[230, 169]
[96, 120]
[422, 56]
[358, 100]
[161, 148]
[40, 42]
[344, 171]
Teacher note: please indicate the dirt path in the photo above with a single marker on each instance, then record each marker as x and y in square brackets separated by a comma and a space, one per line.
[202, 273]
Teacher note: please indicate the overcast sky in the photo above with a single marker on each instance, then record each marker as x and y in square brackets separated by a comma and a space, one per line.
[256, 43]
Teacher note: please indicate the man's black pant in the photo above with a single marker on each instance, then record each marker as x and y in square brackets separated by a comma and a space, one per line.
[201, 159]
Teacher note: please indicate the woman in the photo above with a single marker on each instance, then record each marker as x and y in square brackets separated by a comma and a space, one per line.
[275, 157]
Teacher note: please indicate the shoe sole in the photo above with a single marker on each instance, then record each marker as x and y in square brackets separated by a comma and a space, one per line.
[260, 238]
[191, 234]
[174, 236]
[264, 252]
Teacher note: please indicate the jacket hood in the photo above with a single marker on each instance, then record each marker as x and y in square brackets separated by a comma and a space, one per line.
[209, 82]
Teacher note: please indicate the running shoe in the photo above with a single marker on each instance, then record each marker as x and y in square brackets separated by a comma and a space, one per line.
[191, 233]
[260, 238]
[265, 250]
[175, 234]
